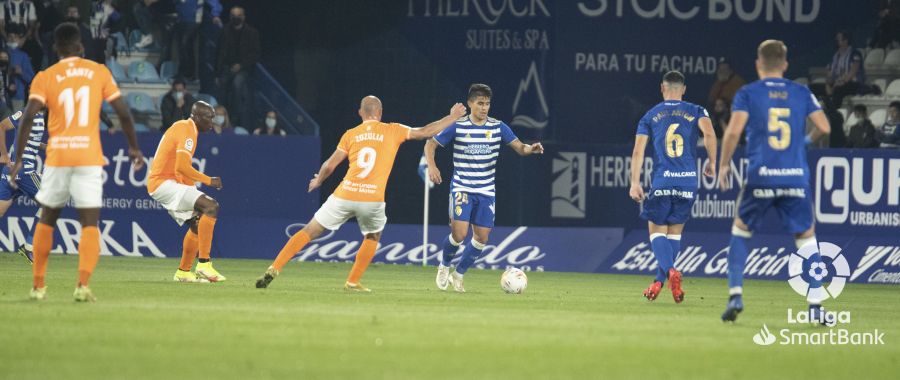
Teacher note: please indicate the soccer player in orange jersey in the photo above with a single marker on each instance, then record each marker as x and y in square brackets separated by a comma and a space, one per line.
[371, 148]
[171, 183]
[73, 91]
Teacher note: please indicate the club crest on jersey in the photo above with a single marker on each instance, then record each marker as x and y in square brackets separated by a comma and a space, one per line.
[458, 210]
[189, 144]
[488, 134]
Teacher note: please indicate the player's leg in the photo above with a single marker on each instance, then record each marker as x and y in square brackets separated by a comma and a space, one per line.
[750, 211]
[209, 211]
[797, 218]
[85, 187]
[29, 185]
[53, 196]
[482, 220]
[664, 258]
[460, 211]
[371, 219]
[189, 250]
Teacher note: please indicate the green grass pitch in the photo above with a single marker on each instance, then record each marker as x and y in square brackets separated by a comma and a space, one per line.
[144, 326]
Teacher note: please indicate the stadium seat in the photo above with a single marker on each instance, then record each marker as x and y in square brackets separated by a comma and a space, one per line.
[881, 83]
[843, 112]
[878, 117]
[892, 59]
[141, 127]
[802, 80]
[893, 89]
[851, 120]
[168, 70]
[241, 131]
[103, 126]
[135, 36]
[819, 80]
[121, 44]
[207, 98]
[118, 72]
[143, 71]
[140, 102]
[874, 59]
[107, 108]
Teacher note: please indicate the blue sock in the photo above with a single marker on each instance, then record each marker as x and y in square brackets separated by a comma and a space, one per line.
[450, 248]
[469, 255]
[675, 243]
[663, 252]
[29, 240]
[737, 260]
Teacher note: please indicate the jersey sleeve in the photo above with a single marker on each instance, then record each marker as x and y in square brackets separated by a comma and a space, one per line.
[15, 118]
[643, 127]
[506, 134]
[38, 89]
[446, 136]
[110, 88]
[400, 132]
[741, 101]
[702, 112]
[812, 104]
[344, 144]
[184, 142]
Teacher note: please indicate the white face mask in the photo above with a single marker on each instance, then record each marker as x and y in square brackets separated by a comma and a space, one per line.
[270, 122]
[219, 119]
[179, 95]
[12, 45]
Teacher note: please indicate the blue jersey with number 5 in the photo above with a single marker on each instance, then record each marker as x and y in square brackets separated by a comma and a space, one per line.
[776, 127]
[673, 131]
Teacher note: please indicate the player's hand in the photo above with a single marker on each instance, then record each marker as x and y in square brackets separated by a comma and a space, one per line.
[215, 182]
[457, 111]
[636, 192]
[710, 169]
[137, 158]
[725, 177]
[4, 159]
[537, 148]
[13, 173]
[314, 183]
[434, 174]
[217, 21]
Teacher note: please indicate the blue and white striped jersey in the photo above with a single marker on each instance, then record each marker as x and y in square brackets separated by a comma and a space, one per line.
[33, 145]
[475, 152]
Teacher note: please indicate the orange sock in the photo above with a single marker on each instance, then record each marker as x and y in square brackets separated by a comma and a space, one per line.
[297, 242]
[88, 253]
[363, 258]
[189, 251]
[42, 242]
[205, 234]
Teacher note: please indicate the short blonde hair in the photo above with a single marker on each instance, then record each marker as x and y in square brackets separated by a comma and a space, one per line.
[772, 54]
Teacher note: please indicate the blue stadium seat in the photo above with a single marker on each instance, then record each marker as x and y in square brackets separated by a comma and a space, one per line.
[143, 71]
[241, 131]
[121, 44]
[118, 72]
[107, 108]
[135, 36]
[207, 98]
[168, 70]
[103, 126]
[140, 102]
[140, 127]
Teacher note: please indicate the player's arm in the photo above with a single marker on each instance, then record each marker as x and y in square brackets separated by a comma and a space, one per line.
[823, 127]
[436, 127]
[185, 169]
[526, 149]
[637, 160]
[134, 152]
[729, 144]
[5, 125]
[327, 169]
[709, 141]
[433, 173]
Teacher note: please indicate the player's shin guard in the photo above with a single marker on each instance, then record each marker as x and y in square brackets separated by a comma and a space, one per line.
[469, 255]
[88, 253]
[43, 241]
[663, 251]
[737, 259]
[294, 245]
[363, 258]
[205, 228]
[190, 247]
[816, 292]
[450, 248]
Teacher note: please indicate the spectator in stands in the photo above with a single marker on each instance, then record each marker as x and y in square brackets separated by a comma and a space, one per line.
[18, 16]
[889, 133]
[887, 32]
[221, 122]
[238, 53]
[270, 126]
[49, 18]
[190, 16]
[143, 16]
[20, 72]
[846, 74]
[176, 104]
[837, 138]
[720, 116]
[862, 134]
[7, 88]
[726, 85]
[105, 20]
[73, 16]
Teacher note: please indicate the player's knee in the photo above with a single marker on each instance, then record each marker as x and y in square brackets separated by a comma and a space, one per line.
[375, 236]
[458, 236]
[211, 209]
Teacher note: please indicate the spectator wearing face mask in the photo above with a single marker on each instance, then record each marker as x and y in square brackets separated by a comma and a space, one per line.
[270, 126]
[20, 72]
[862, 134]
[221, 122]
[176, 104]
[17, 16]
[889, 133]
[73, 16]
[237, 57]
[5, 85]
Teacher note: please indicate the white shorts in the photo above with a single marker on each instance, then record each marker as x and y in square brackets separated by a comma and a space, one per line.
[336, 211]
[178, 199]
[83, 184]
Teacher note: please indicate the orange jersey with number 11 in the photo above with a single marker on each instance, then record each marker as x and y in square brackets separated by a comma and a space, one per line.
[73, 91]
[371, 148]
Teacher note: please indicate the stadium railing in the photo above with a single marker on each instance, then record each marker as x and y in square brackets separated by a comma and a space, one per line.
[268, 94]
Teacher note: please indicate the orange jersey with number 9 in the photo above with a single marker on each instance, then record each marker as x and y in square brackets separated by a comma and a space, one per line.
[73, 91]
[371, 148]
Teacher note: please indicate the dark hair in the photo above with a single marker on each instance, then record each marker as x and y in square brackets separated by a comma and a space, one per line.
[846, 34]
[478, 89]
[861, 108]
[895, 104]
[674, 77]
[178, 81]
[67, 39]
[773, 54]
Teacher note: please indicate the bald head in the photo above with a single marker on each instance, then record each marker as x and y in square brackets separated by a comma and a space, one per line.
[202, 114]
[370, 108]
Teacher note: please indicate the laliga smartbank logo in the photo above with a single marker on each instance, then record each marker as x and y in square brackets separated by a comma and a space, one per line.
[809, 273]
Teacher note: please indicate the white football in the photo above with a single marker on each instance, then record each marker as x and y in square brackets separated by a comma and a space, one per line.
[513, 281]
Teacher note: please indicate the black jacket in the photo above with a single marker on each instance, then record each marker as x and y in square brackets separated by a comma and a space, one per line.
[862, 135]
[170, 111]
[238, 46]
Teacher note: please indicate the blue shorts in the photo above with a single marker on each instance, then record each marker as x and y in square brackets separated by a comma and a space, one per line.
[793, 205]
[477, 209]
[29, 184]
[669, 205]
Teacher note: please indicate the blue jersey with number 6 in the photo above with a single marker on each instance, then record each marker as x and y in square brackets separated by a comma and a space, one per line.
[673, 131]
[776, 127]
